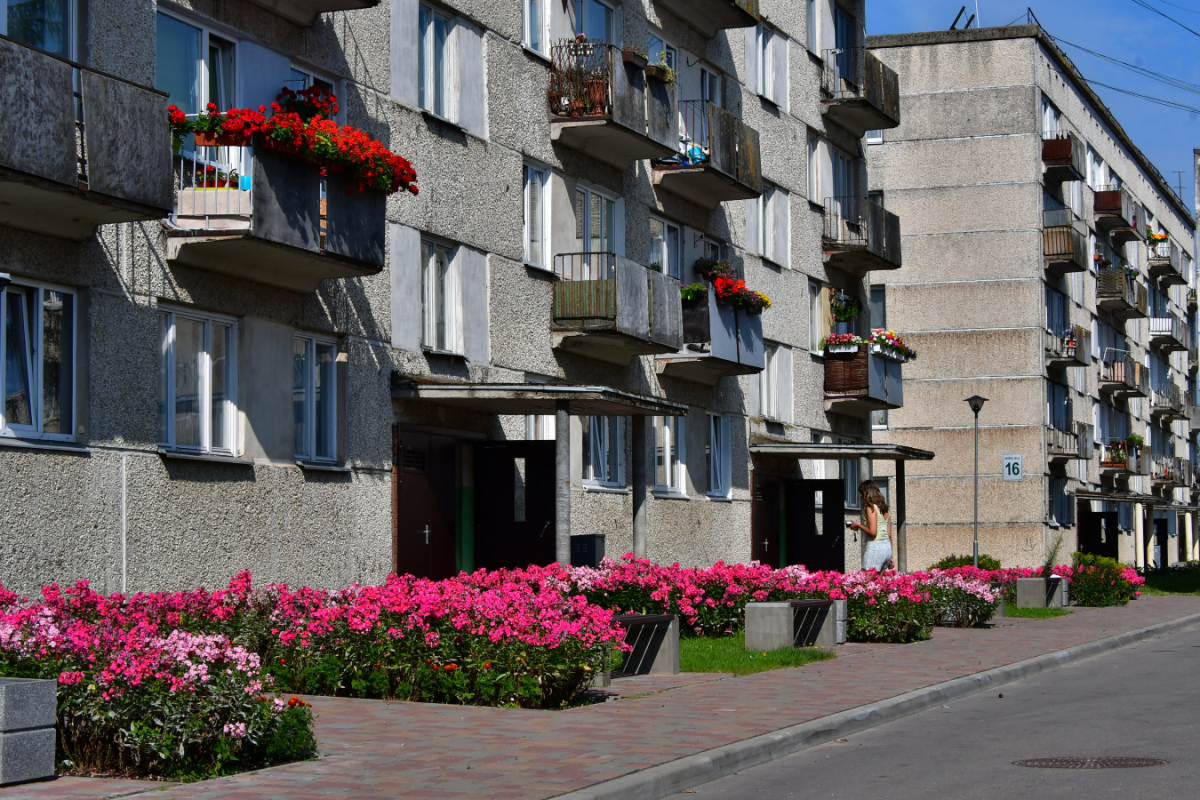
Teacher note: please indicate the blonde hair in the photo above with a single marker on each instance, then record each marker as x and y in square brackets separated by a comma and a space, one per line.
[872, 496]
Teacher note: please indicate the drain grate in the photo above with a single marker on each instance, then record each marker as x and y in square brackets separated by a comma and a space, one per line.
[1111, 762]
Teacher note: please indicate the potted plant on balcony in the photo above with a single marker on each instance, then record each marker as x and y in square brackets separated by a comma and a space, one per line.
[597, 93]
[840, 343]
[661, 71]
[232, 128]
[635, 58]
[1115, 455]
[890, 346]
[844, 308]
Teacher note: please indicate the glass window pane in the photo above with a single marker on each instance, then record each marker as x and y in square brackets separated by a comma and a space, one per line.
[423, 77]
[300, 397]
[440, 26]
[221, 342]
[614, 447]
[661, 435]
[534, 222]
[586, 424]
[443, 275]
[41, 23]
[674, 252]
[178, 62]
[189, 345]
[164, 332]
[657, 244]
[595, 223]
[220, 72]
[325, 401]
[610, 226]
[58, 358]
[18, 359]
[535, 25]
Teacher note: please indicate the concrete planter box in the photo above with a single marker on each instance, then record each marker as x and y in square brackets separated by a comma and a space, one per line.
[28, 713]
[795, 623]
[1041, 592]
[655, 642]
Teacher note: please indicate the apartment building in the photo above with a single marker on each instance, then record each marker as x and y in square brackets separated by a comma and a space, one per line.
[1050, 269]
[221, 358]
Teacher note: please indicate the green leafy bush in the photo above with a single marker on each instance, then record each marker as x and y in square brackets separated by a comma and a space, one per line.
[953, 562]
[1098, 582]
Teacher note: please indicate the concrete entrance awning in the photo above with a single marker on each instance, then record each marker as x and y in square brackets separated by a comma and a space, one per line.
[532, 398]
[831, 452]
[1123, 497]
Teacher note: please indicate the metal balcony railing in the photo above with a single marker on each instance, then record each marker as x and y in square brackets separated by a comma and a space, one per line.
[1061, 442]
[1064, 246]
[1116, 211]
[1065, 157]
[860, 223]
[1121, 455]
[1171, 470]
[1167, 398]
[855, 74]
[213, 188]
[1119, 290]
[1166, 261]
[1073, 344]
[586, 286]
[711, 135]
[1125, 374]
[1170, 332]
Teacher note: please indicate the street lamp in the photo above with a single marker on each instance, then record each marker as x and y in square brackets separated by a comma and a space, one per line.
[976, 403]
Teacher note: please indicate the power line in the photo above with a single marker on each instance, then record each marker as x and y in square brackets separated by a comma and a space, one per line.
[1149, 7]
[1170, 80]
[1181, 8]
[1160, 101]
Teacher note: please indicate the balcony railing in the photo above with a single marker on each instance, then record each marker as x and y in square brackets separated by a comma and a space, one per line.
[860, 235]
[268, 217]
[860, 92]
[1118, 213]
[863, 381]
[1063, 444]
[1064, 247]
[1169, 332]
[1120, 292]
[607, 109]
[1065, 157]
[78, 147]
[1166, 262]
[719, 160]
[1124, 375]
[719, 340]
[1117, 455]
[1171, 470]
[1070, 348]
[1167, 400]
[612, 309]
[305, 12]
[711, 16]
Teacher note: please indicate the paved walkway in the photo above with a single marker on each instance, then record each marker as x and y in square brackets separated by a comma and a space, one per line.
[373, 749]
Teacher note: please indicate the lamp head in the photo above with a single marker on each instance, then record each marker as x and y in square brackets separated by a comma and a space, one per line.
[976, 403]
[5, 280]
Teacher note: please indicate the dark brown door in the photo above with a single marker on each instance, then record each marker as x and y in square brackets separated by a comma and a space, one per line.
[816, 547]
[764, 522]
[423, 511]
[1097, 531]
[514, 504]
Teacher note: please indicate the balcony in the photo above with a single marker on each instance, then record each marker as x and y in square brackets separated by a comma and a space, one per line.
[1118, 214]
[1170, 470]
[720, 159]
[1120, 457]
[1064, 247]
[1065, 157]
[1169, 333]
[1167, 401]
[1166, 262]
[305, 12]
[1119, 292]
[1122, 375]
[1063, 445]
[78, 147]
[1073, 348]
[858, 91]
[268, 217]
[612, 309]
[608, 110]
[1193, 416]
[860, 236]
[862, 381]
[718, 341]
[711, 16]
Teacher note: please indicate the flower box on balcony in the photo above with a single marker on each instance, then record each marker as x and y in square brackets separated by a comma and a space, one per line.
[660, 72]
[890, 353]
[719, 340]
[635, 59]
[207, 139]
[835, 349]
[862, 381]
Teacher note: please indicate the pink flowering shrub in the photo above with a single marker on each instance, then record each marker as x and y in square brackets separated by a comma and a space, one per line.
[1093, 580]
[961, 602]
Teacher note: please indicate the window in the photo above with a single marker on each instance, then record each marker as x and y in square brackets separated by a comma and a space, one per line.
[197, 382]
[770, 63]
[604, 450]
[1056, 312]
[717, 456]
[595, 20]
[37, 349]
[595, 222]
[820, 317]
[536, 31]
[710, 86]
[712, 250]
[670, 454]
[537, 190]
[659, 52]
[845, 175]
[848, 467]
[46, 24]
[814, 169]
[768, 383]
[1062, 510]
[1051, 120]
[314, 398]
[875, 137]
[441, 300]
[1058, 406]
[432, 59]
[768, 223]
[810, 26]
[193, 65]
[540, 427]
[666, 248]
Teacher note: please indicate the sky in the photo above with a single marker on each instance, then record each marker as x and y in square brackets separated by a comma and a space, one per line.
[1120, 29]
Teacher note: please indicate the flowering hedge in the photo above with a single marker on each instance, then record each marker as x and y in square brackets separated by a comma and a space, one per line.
[1094, 580]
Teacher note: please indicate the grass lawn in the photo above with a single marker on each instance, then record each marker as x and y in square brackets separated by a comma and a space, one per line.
[1011, 610]
[728, 654]
[1175, 581]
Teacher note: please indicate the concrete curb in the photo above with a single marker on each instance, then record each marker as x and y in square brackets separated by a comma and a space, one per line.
[657, 782]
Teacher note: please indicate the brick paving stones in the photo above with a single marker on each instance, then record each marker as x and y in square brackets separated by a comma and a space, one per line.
[416, 750]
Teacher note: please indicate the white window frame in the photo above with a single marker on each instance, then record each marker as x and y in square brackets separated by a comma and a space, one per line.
[814, 168]
[167, 353]
[606, 433]
[875, 137]
[768, 383]
[616, 245]
[765, 54]
[73, 25]
[670, 450]
[425, 76]
[719, 457]
[810, 27]
[535, 16]
[202, 75]
[540, 427]
[36, 332]
[661, 260]
[446, 295]
[311, 76]
[309, 454]
[818, 300]
[537, 178]
[582, 7]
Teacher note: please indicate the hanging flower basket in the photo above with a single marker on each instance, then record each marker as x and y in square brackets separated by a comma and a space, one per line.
[841, 348]
[890, 353]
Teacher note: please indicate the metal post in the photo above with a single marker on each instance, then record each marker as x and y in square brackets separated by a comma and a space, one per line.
[639, 486]
[976, 545]
[901, 521]
[562, 482]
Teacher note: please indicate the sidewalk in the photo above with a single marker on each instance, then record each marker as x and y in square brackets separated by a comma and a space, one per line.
[373, 749]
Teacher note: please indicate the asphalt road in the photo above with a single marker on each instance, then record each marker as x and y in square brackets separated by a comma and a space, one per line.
[1141, 701]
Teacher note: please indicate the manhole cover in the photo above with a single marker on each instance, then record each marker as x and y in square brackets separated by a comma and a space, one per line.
[1112, 762]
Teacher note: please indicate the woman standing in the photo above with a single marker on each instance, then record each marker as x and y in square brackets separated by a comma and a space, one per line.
[875, 527]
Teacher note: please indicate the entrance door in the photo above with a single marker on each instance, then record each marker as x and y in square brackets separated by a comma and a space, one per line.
[1097, 531]
[514, 504]
[1159, 551]
[423, 511]
[817, 546]
[765, 514]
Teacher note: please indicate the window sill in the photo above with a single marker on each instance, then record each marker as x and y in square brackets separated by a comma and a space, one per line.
[818, 354]
[430, 351]
[667, 494]
[815, 206]
[214, 459]
[44, 444]
[768, 100]
[538, 267]
[317, 466]
[719, 498]
[536, 54]
[602, 489]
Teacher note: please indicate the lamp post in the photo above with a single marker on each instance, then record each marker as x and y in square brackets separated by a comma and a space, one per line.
[976, 403]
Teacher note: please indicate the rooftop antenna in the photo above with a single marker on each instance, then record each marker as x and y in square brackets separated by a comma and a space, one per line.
[1179, 174]
[961, 11]
[969, 21]
[976, 17]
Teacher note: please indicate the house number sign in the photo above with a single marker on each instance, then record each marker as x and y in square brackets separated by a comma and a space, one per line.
[1014, 468]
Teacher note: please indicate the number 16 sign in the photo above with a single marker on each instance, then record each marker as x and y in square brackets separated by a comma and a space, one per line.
[1014, 468]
